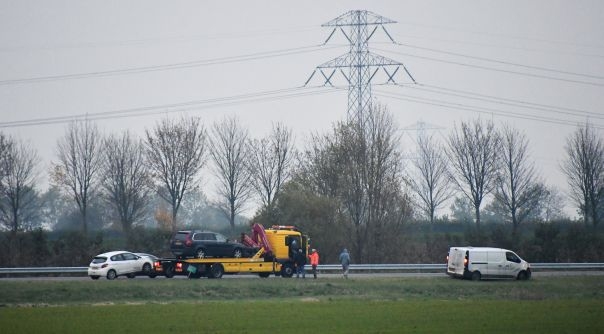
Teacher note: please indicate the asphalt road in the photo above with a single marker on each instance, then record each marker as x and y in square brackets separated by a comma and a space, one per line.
[309, 276]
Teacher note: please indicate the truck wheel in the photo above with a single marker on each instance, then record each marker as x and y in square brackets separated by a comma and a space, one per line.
[200, 254]
[264, 275]
[169, 271]
[476, 276]
[216, 271]
[131, 275]
[287, 270]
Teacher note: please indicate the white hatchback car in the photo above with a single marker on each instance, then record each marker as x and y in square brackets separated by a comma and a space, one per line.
[118, 263]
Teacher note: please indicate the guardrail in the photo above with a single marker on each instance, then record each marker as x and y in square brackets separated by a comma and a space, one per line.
[419, 267]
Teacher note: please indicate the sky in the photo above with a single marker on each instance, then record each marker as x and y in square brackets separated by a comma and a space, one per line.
[535, 65]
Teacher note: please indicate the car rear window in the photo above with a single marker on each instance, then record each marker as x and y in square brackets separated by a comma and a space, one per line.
[99, 259]
[181, 236]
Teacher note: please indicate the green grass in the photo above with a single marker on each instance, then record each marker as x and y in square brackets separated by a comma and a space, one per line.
[393, 305]
[196, 290]
[310, 316]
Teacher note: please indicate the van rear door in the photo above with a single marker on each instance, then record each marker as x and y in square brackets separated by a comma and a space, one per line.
[455, 265]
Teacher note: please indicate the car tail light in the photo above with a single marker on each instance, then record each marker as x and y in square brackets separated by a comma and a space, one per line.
[188, 241]
[156, 264]
[179, 266]
[104, 265]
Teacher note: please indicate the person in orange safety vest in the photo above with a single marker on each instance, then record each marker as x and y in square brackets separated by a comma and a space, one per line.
[314, 261]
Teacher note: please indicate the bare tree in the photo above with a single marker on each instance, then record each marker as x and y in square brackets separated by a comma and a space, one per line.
[518, 189]
[432, 181]
[370, 181]
[230, 152]
[552, 205]
[18, 197]
[78, 167]
[584, 168]
[270, 164]
[5, 143]
[176, 154]
[126, 180]
[473, 152]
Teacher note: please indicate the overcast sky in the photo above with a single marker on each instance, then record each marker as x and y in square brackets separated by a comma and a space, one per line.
[536, 65]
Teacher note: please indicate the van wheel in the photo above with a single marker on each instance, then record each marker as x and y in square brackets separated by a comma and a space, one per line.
[523, 276]
[476, 276]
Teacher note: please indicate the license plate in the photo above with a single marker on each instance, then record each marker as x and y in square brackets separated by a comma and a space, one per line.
[178, 243]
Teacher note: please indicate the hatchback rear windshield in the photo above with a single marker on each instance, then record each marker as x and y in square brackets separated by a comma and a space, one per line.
[99, 259]
[181, 236]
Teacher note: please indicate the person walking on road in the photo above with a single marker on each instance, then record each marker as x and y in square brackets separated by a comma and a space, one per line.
[300, 261]
[314, 261]
[345, 261]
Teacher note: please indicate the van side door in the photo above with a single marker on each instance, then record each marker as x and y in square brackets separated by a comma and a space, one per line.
[496, 264]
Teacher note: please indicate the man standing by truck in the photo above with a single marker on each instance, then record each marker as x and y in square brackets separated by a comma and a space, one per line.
[300, 261]
[314, 261]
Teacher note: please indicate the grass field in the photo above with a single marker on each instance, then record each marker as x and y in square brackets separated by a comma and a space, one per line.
[388, 305]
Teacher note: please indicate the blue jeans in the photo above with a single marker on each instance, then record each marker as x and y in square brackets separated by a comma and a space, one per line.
[300, 271]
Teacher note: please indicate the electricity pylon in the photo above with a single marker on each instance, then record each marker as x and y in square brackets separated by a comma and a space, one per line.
[361, 64]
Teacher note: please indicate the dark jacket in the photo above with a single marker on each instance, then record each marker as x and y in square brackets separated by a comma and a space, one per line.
[300, 259]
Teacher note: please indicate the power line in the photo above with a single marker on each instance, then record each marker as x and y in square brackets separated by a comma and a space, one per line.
[477, 109]
[504, 101]
[497, 69]
[515, 37]
[503, 62]
[500, 46]
[169, 39]
[271, 95]
[197, 63]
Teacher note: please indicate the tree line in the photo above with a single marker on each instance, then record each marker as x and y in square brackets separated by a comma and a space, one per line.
[351, 186]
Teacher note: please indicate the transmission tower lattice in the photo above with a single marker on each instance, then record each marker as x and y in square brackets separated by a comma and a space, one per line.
[362, 64]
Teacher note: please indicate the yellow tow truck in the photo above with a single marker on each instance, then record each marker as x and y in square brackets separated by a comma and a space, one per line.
[276, 248]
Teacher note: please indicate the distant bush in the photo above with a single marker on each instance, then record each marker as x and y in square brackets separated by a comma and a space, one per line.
[413, 243]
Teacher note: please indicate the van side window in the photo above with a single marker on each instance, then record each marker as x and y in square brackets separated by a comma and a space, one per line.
[512, 257]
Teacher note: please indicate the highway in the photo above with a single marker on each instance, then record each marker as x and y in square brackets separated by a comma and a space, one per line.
[535, 275]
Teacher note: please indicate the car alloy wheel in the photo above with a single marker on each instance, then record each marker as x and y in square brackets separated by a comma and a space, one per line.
[111, 274]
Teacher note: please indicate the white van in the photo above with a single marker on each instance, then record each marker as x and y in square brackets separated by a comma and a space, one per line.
[485, 262]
